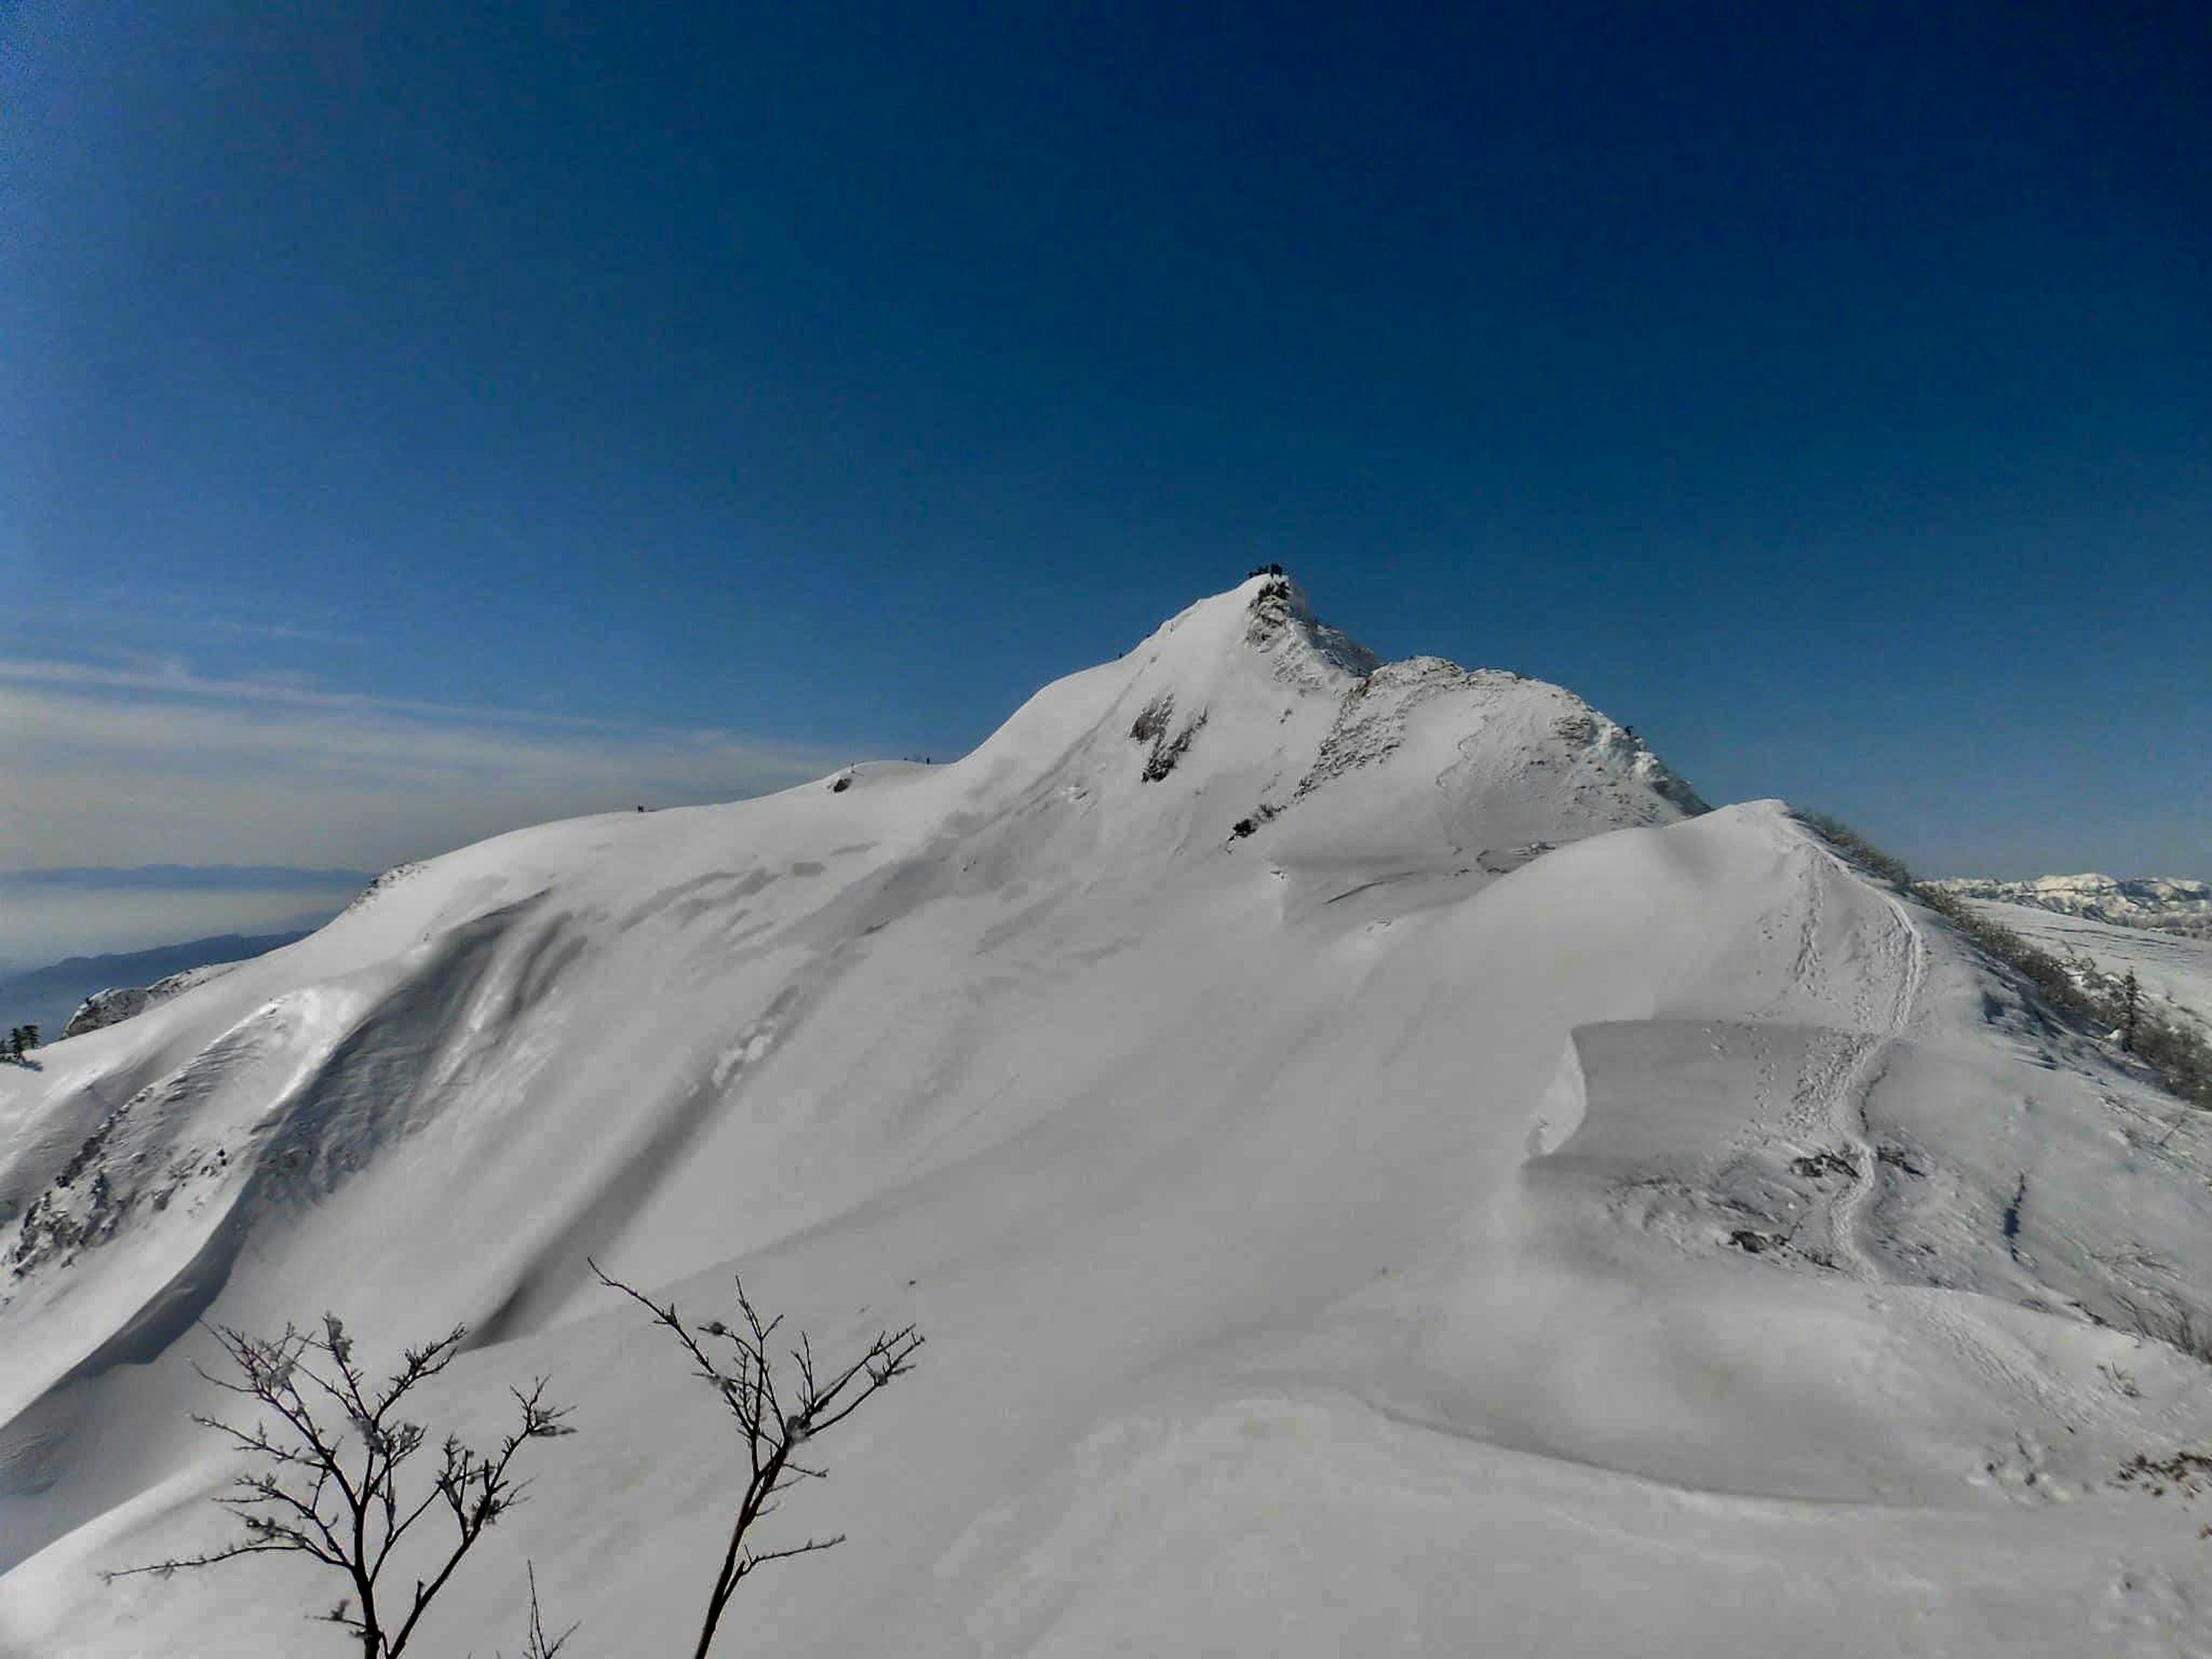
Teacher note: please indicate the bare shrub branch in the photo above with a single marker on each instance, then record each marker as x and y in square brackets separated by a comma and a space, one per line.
[536, 1644]
[330, 1442]
[776, 1411]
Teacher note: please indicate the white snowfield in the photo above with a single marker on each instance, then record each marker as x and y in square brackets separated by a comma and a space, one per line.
[1493, 1206]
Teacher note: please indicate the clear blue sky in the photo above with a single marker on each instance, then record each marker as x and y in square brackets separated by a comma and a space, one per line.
[1827, 391]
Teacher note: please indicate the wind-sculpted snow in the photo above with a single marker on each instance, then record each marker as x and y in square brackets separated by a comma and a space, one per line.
[1379, 1169]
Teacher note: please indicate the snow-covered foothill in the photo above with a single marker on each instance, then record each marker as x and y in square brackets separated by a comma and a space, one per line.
[1378, 1167]
[110, 1007]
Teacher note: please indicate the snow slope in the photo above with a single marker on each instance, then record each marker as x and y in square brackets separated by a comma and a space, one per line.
[1379, 1169]
[2174, 967]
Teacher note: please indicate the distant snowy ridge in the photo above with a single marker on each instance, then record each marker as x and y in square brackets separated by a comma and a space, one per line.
[2169, 905]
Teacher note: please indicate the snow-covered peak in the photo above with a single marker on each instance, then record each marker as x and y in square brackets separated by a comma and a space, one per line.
[1258, 640]
[1246, 717]
[1279, 622]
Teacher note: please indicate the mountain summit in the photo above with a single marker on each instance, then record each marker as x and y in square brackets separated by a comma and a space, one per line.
[1246, 711]
[1379, 1166]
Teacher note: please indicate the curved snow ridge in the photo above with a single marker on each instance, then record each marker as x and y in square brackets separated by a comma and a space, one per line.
[1851, 1152]
[1717, 1137]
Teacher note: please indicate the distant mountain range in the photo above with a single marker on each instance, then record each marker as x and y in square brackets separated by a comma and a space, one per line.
[2167, 904]
[47, 997]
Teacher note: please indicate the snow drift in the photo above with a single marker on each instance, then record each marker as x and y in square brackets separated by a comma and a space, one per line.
[1379, 1167]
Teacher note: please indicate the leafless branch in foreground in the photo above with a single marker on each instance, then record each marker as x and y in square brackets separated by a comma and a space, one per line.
[536, 1644]
[328, 1443]
[778, 1405]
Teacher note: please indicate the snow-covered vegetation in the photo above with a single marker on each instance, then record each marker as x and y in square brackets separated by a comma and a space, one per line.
[2174, 970]
[1381, 1169]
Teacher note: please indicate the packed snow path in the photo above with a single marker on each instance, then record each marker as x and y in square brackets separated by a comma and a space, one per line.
[1378, 1167]
[1887, 996]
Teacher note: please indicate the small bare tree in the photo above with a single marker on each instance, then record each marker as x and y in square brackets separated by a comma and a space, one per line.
[329, 1445]
[777, 1411]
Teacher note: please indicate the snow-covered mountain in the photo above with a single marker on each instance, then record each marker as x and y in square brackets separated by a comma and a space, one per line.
[2165, 904]
[1379, 1169]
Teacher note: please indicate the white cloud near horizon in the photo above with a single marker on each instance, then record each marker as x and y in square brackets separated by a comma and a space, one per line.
[154, 764]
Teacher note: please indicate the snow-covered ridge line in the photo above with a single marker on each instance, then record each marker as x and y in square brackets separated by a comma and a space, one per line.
[2165, 903]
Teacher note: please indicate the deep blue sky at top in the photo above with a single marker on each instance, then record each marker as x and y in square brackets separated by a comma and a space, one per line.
[1826, 390]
